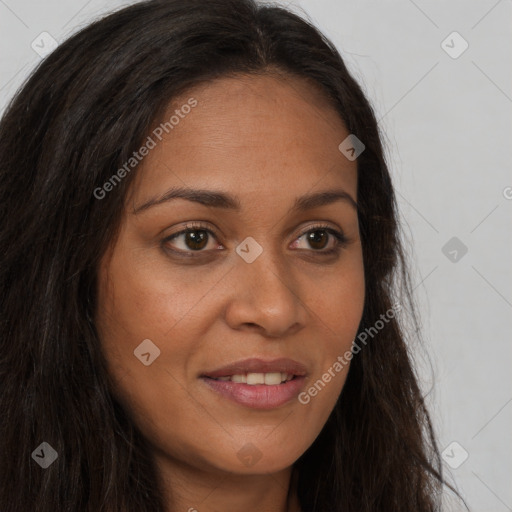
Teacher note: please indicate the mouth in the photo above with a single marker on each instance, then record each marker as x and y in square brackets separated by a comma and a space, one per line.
[257, 383]
[259, 371]
[254, 379]
[259, 391]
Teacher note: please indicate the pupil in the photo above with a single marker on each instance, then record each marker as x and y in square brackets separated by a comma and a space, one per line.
[313, 238]
[194, 241]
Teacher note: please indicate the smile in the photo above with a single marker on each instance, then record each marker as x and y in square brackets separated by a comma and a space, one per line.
[259, 391]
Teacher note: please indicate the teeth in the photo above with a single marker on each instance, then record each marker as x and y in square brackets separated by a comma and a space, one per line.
[273, 378]
[238, 378]
[270, 379]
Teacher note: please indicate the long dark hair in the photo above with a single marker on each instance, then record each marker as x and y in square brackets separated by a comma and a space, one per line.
[83, 112]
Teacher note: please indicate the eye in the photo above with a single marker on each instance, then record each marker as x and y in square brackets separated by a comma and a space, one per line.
[195, 238]
[317, 237]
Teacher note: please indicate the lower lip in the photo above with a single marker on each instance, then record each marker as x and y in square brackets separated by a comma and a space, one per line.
[258, 396]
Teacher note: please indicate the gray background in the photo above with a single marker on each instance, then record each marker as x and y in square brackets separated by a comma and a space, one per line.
[447, 126]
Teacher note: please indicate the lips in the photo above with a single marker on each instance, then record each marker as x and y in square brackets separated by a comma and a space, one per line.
[261, 396]
[256, 365]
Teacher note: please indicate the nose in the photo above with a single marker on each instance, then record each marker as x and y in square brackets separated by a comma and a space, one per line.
[265, 297]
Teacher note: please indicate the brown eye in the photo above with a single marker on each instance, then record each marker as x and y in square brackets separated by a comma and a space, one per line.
[196, 241]
[317, 238]
[195, 238]
[318, 241]
[191, 239]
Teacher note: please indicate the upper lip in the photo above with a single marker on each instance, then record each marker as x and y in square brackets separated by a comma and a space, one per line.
[256, 365]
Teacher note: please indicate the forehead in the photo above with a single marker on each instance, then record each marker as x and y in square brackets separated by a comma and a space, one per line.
[249, 134]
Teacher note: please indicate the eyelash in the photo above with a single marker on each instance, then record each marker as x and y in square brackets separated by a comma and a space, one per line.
[340, 239]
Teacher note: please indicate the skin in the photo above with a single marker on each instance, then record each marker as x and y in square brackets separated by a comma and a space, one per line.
[267, 140]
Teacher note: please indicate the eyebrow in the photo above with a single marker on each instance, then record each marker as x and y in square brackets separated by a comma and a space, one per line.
[215, 199]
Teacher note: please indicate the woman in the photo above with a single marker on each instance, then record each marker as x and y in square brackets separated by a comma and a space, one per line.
[200, 252]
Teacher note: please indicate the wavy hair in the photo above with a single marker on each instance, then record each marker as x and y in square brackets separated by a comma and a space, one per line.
[82, 113]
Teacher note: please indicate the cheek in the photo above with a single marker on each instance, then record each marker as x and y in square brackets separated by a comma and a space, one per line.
[137, 305]
[142, 300]
[337, 306]
[337, 301]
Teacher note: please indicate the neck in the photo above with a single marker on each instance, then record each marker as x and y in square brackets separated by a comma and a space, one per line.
[188, 488]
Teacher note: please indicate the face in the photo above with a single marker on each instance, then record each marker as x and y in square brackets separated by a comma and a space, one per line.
[265, 280]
